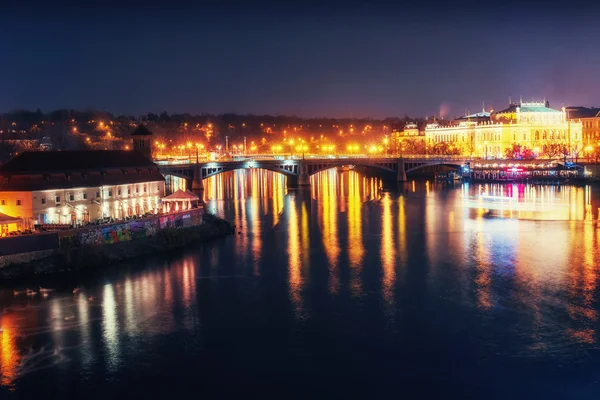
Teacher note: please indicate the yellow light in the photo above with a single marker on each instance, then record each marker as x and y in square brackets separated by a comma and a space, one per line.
[589, 148]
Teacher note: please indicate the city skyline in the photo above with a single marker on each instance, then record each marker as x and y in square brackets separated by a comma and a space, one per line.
[376, 59]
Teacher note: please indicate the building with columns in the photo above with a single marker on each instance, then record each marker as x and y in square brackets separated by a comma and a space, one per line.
[532, 125]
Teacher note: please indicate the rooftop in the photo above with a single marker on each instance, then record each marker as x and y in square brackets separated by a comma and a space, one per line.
[71, 161]
[529, 107]
[141, 130]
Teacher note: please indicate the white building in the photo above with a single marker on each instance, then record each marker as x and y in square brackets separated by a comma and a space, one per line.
[71, 187]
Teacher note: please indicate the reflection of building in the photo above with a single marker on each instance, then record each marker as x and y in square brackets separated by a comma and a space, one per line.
[532, 125]
[79, 186]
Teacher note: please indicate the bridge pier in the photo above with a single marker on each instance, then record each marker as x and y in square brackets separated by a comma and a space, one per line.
[197, 185]
[303, 177]
[401, 171]
[291, 182]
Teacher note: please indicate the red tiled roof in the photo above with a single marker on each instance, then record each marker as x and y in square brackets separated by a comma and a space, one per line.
[70, 169]
[70, 161]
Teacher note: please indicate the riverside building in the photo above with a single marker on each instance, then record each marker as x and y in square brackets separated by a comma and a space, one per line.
[533, 125]
[76, 187]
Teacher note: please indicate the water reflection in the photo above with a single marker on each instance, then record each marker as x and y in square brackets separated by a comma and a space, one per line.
[388, 249]
[343, 252]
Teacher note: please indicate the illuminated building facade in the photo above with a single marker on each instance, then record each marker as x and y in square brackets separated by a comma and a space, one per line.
[591, 130]
[532, 125]
[73, 187]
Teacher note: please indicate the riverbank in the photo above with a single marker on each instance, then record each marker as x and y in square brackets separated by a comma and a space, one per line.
[76, 255]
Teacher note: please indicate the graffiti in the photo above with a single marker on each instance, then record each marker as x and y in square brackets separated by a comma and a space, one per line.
[109, 235]
[136, 229]
[123, 232]
[150, 227]
[93, 237]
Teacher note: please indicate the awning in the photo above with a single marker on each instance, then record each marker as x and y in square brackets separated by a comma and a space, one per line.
[7, 219]
[180, 195]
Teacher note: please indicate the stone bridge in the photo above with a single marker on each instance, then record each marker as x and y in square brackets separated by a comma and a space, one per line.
[298, 171]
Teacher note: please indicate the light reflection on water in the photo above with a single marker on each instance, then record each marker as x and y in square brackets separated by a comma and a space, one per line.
[413, 260]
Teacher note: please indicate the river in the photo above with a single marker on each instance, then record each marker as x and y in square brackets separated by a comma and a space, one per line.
[349, 287]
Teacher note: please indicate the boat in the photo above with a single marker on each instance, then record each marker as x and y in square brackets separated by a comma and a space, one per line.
[31, 292]
[19, 292]
[451, 176]
[45, 290]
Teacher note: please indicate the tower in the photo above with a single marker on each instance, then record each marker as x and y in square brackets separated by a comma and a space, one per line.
[142, 140]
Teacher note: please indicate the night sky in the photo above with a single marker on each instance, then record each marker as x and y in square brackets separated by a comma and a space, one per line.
[338, 59]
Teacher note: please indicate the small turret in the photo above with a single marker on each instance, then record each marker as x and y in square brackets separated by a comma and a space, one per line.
[142, 140]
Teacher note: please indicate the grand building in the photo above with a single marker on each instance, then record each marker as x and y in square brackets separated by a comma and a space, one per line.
[73, 187]
[533, 125]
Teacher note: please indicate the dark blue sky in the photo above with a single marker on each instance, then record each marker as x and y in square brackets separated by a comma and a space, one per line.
[341, 59]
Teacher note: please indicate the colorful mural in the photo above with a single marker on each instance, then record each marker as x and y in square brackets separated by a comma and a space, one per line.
[137, 229]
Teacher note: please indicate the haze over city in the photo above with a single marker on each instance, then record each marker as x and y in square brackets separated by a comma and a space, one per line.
[337, 59]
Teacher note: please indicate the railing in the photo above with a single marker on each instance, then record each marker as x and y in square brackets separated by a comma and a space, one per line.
[308, 157]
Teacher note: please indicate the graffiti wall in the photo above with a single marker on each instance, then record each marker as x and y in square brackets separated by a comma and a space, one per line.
[110, 234]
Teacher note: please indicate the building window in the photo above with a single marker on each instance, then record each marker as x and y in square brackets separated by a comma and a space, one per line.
[110, 193]
[71, 197]
[145, 190]
[97, 194]
[43, 200]
[57, 199]
[84, 196]
[128, 191]
[137, 189]
[118, 192]
[18, 202]
[2, 202]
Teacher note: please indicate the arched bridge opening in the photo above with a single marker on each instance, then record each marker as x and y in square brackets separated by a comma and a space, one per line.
[431, 169]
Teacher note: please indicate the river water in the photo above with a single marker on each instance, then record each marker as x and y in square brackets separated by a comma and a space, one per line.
[339, 290]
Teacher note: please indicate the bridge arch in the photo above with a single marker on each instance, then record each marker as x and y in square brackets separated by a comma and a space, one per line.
[387, 168]
[413, 168]
[286, 170]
